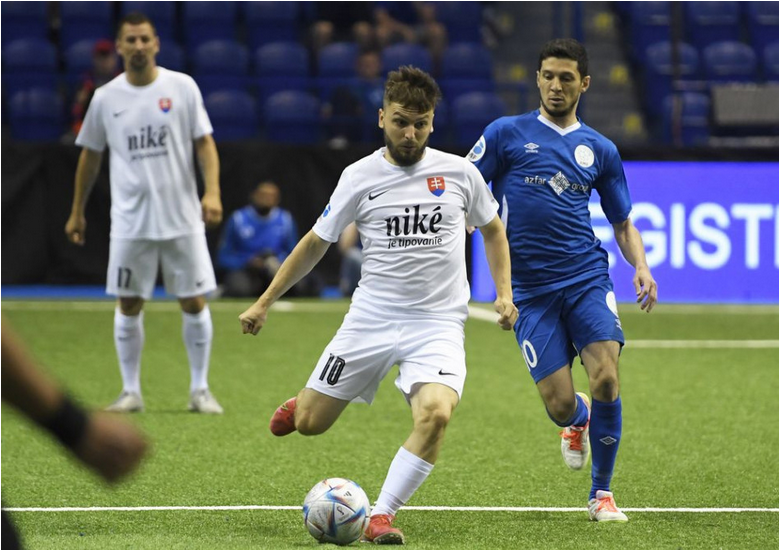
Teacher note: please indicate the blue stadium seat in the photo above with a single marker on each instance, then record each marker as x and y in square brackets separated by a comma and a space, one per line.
[336, 66]
[78, 61]
[729, 62]
[171, 56]
[292, 117]
[710, 22]
[441, 136]
[24, 20]
[85, 21]
[466, 67]
[650, 24]
[471, 113]
[205, 21]
[396, 55]
[771, 56]
[281, 66]
[763, 24]
[462, 20]
[693, 120]
[37, 115]
[233, 114]
[271, 21]
[27, 64]
[220, 65]
[163, 15]
[659, 71]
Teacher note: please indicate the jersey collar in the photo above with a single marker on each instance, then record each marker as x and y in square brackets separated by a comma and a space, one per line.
[562, 131]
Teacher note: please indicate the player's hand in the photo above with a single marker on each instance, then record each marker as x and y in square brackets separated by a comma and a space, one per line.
[111, 446]
[508, 313]
[646, 289]
[253, 319]
[75, 229]
[211, 209]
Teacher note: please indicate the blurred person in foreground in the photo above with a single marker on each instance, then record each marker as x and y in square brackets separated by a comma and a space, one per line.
[152, 119]
[410, 204]
[107, 445]
[544, 166]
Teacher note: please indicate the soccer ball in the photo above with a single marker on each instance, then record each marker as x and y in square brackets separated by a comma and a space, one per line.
[337, 511]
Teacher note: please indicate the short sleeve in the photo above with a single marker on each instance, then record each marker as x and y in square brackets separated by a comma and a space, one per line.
[93, 133]
[485, 155]
[200, 124]
[482, 206]
[612, 187]
[340, 211]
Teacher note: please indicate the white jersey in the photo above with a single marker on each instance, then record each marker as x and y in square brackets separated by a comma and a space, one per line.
[411, 221]
[149, 131]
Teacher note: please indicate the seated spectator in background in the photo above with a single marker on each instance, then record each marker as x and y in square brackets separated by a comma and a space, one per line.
[343, 22]
[104, 68]
[413, 22]
[356, 102]
[255, 241]
[350, 247]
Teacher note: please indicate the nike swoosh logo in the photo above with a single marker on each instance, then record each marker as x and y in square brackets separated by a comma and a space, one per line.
[441, 372]
[371, 196]
[118, 113]
[200, 283]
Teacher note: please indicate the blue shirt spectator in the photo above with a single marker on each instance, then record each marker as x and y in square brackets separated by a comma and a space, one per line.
[255, 241]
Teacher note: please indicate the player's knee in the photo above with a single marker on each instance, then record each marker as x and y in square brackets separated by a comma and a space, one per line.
[309, 424]
[605, 385]
[560, 410]
[131, 306]
[433, 419]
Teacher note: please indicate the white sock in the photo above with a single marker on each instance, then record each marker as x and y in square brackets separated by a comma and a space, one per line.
[197, 335]
[129, 341]
[406, 473]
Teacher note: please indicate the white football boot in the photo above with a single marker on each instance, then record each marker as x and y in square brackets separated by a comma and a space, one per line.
[202, 401]
[128, 402]
[575, 441]
[602, 508]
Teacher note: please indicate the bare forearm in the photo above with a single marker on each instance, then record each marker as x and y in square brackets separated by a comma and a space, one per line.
[630, 243]
[307, 253]
[498, 257]
[86, 174]
[24, 386]
[209, 163]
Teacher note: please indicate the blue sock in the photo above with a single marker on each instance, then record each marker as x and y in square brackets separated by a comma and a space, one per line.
[606, 426]
[579, 418]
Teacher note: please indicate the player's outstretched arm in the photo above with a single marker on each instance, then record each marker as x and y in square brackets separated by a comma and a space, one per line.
[106, 444]
[496, 246]
[86, 174]
[630, 243]
[307, 253]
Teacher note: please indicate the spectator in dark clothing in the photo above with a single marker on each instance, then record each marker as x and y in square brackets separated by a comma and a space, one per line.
[104, 69]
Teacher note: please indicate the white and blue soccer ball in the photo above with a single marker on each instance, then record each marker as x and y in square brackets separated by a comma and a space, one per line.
[336, 511]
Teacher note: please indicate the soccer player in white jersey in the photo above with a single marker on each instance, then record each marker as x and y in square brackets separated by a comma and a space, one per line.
[543, 166]
[151, 119]
[411, 205]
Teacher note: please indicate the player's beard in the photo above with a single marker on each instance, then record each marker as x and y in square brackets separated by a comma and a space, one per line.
[403, 156]
[562, 112]
[138, 62]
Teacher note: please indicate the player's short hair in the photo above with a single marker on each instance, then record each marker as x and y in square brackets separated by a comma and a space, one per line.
[412, 88]
[565, 48]
[135, 18]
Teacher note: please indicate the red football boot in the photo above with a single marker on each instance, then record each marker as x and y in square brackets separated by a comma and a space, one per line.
[282, 421]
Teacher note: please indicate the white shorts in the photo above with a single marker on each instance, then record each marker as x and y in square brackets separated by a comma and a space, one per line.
[366, 347]
[185, 262]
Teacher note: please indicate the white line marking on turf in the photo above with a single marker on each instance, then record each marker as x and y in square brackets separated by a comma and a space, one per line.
[409, 508]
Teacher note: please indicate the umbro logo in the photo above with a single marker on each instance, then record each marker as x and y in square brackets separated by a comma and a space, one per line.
[372, 197]
[608, 440]
[531, 147]
[441, 372]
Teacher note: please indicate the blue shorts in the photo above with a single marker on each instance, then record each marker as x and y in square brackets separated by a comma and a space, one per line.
[553, 328]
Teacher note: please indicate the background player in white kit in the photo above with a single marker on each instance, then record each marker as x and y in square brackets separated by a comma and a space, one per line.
[410, 205]
[150, 118]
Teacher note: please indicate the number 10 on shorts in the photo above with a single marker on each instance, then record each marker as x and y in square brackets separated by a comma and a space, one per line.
[332, 369]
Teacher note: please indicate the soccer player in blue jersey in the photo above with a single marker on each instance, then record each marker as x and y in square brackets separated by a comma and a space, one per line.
[543, 166]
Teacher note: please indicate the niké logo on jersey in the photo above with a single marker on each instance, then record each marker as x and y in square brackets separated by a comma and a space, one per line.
[147, 137]
[418, 224]
[436, 185]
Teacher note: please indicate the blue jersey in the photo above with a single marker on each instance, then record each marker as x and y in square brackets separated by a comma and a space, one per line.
[542, 177]
[248, 234]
